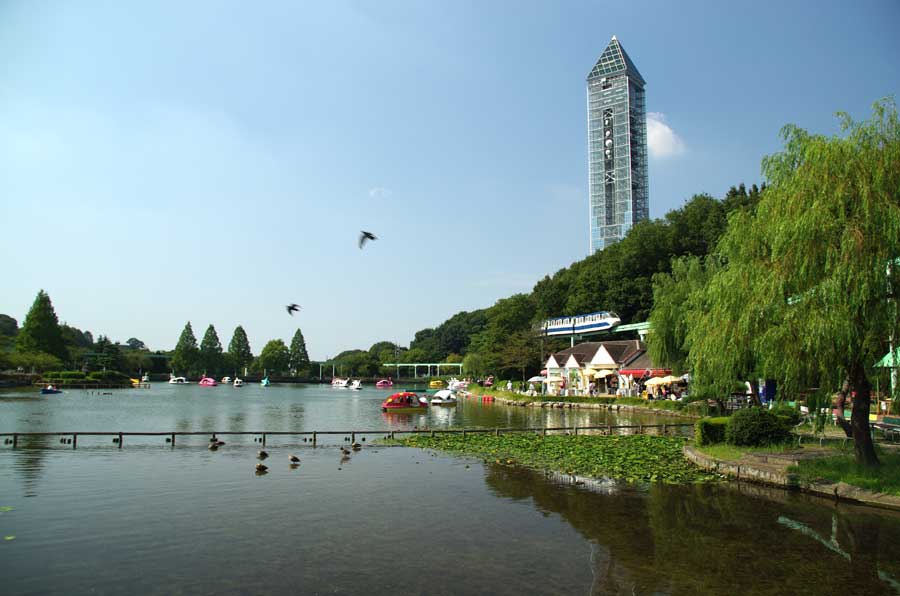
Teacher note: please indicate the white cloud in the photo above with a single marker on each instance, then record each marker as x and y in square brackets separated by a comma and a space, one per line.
[661, 139]
[379, 192]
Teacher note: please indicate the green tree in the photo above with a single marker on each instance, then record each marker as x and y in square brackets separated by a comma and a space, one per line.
[41, 332]
[211, 352]
[108, 355]
[805, 279]
[239, 349]
[299, 357]
[274, 357]
[675, 296]
[8, 326]
[135, 344]
[186, 355]
[35, 361]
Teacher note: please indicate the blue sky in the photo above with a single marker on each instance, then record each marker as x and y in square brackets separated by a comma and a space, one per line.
[213, 161]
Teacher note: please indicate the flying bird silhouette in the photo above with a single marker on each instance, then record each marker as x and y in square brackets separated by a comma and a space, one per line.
[365, 236]
[292, 308]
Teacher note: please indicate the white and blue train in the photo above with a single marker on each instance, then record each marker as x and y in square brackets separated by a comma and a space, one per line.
[594, 322]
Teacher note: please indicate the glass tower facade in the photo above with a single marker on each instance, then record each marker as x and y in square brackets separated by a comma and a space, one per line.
[617, 147]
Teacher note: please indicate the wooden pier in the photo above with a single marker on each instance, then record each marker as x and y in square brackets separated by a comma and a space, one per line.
[71, 437]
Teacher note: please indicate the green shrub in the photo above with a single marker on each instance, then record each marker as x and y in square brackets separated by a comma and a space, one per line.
[792, 414]
[109, 376]
[753, 427]
[709, 431]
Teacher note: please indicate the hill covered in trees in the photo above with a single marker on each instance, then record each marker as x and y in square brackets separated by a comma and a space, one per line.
[501, 339]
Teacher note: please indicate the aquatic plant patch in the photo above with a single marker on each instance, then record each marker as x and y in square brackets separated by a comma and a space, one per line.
[626, 457]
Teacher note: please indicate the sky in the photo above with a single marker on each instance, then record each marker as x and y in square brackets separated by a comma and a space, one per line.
[212, 161]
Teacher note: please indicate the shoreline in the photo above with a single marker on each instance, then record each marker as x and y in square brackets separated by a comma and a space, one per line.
[773, 470]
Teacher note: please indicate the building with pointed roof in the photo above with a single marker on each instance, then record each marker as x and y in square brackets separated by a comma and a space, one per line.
[617, 147]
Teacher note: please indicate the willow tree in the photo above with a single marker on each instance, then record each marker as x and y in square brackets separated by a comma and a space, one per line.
[674, 298]
[803, 289]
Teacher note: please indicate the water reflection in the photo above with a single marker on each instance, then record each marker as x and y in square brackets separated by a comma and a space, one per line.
[708, 539]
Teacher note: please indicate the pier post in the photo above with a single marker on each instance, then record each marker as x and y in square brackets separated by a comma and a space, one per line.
[497, 432]
[74, 440]
[120, 440]
[173, 439]
[353, 437]
[543, 432]
[15, 440]
[392, 435]
[264, 439]
[664, 430]
[464, 434]
[609, 429]
[314, 438]
[575, 428]
[640, 429]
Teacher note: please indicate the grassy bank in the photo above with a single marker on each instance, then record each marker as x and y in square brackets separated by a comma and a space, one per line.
[843, 468]
[632, 458]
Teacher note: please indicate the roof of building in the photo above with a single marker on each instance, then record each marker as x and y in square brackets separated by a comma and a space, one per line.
[622, 351]
[614, 60]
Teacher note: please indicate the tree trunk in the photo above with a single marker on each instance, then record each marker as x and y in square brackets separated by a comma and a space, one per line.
[839, 408]
[862, 437]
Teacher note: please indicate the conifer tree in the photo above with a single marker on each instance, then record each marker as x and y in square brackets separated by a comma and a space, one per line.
[41, 332]
[211, 351]
[239, 348]
[299, 357]
[186, 353]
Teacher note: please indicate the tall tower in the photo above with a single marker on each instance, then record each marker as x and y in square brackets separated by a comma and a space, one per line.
[617, 147]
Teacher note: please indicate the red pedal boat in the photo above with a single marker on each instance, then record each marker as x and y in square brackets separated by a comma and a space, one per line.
[404, 401]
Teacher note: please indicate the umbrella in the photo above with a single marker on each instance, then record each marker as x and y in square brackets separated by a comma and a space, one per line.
[671, 379]
[655, 381]
[553, 380]
[589, 371]
[537, 379]
[602, 374]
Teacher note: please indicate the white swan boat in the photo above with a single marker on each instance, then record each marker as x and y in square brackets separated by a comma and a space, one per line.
[444, 397]
[355, 384]
[337, 382]
[225, 380]
[238, 382]
[177, 381]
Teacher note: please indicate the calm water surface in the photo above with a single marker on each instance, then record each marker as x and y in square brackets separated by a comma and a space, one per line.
[151, 519]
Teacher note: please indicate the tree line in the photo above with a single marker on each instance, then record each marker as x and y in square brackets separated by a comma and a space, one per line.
[43, 344]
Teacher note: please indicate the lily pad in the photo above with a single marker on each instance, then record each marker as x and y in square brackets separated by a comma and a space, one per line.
[9, 537]
[5, 508]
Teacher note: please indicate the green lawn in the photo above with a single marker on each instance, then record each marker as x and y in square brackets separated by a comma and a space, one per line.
[731, 452]
[843, 468]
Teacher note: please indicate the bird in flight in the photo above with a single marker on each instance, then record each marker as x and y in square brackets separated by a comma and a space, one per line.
[292, 308]
[364, 236]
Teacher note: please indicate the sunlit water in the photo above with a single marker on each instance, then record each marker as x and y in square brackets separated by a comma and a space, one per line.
[152, 519]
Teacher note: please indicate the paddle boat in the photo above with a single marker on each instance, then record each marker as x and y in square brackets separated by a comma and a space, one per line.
[384, 384]
[208, 382]
[173, 380]
[225, 380]
[264, 382]
[135, 382]
[455, 384]
[436, 384]
[338, 382]
[145, 378]
[355, 384]
[238, 382]
[404, 401]
[444, 397]
[50, 390]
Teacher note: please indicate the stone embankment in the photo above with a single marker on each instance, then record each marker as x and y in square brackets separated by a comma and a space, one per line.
[773, 469]
[526, 403]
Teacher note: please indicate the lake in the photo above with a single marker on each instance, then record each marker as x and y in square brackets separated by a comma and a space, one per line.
[152, 519]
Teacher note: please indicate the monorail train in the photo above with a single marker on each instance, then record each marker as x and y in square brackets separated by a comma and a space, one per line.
[581, 324]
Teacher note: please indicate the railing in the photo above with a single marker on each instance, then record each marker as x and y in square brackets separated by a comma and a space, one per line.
[71, 437]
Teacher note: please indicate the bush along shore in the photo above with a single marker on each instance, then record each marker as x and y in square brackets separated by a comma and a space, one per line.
[633, 458]
[616, 404]
[758, 445]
